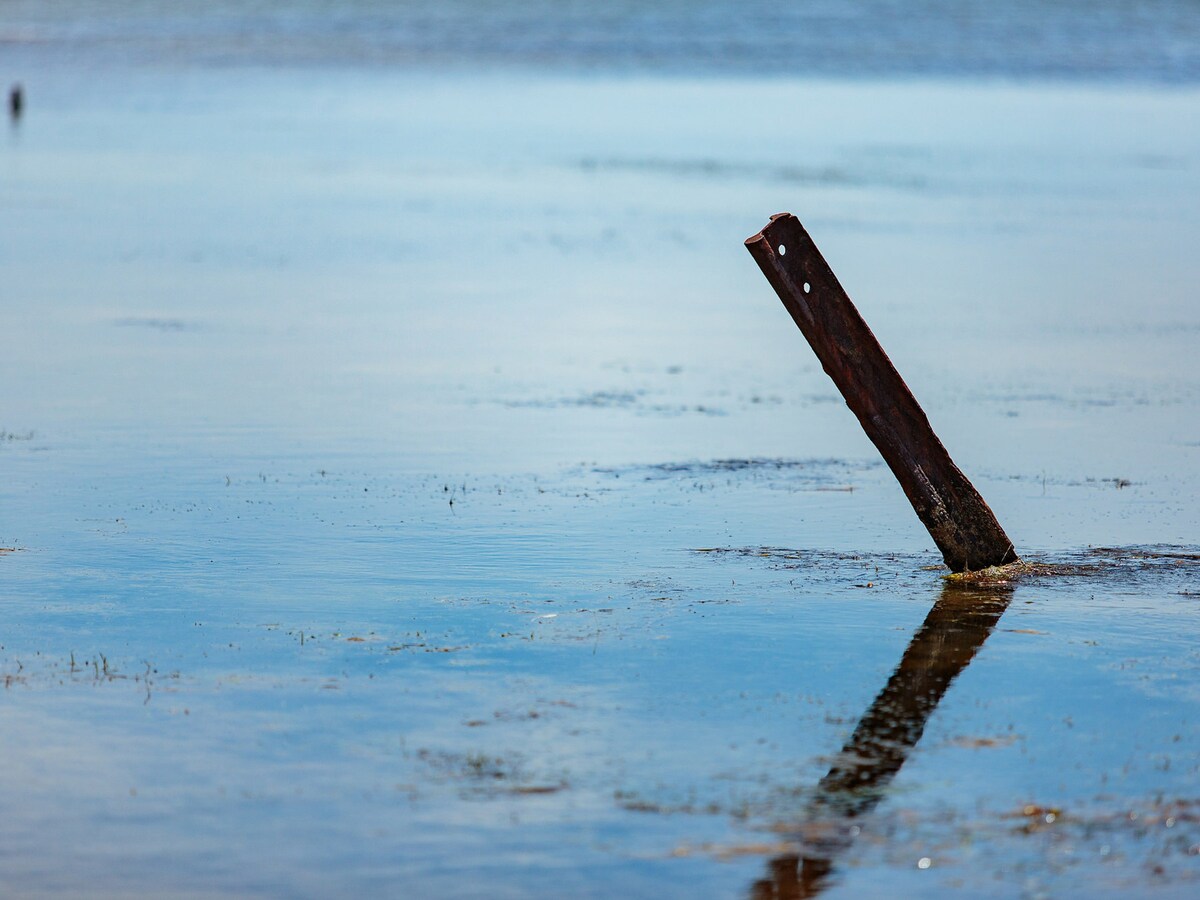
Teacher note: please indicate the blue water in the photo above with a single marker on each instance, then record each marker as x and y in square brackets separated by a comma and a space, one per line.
[409, 486]
[1154, 41]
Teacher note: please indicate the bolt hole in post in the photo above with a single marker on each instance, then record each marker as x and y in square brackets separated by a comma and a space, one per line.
[783, 252]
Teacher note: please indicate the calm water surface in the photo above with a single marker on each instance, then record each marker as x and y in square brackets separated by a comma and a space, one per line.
[410, 485]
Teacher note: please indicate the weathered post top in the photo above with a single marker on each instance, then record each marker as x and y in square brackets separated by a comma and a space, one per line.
[960, 522]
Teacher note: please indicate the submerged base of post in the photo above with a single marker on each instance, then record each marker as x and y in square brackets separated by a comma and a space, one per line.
[960, 522]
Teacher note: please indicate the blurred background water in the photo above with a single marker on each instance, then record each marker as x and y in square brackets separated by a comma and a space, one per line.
[1151, 41]
[372, 373]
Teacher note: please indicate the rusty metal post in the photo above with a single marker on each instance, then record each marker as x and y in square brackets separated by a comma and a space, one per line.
[960, 522]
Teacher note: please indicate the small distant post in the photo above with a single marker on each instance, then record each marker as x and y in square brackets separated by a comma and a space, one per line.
[16, 101]
[959, 521]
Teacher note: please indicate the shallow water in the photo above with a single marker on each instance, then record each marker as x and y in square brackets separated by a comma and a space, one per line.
[414, 487]
[1153, 41]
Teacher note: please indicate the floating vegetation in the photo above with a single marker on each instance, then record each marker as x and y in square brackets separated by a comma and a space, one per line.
[1095, 562]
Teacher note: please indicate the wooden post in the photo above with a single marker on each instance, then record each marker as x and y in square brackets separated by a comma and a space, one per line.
[960, 522]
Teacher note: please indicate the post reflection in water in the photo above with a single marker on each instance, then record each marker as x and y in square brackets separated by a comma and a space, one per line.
[951, 635]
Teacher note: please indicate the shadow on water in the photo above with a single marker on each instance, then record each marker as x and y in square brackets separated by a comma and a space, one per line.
[955, 629]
